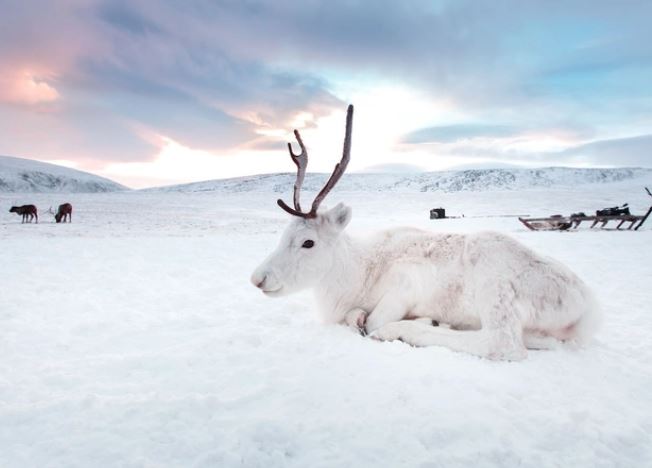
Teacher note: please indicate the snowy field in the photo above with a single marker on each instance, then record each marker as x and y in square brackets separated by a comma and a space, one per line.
[133, 338]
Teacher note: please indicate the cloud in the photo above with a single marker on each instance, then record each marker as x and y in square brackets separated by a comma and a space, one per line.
[23, 87]
[632, 151]
[394, 168]
[541, 150]
[86, 135]
[123, 16]
[106, 80]
[451, 133]
[140, 71]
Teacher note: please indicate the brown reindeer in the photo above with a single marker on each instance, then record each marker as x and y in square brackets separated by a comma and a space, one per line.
[28, 212]
[64, 211]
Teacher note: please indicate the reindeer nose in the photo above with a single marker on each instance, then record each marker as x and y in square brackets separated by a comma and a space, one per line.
[258, 280]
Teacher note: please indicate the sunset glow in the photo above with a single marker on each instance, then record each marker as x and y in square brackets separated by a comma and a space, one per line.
[158, 94]
[23, 87]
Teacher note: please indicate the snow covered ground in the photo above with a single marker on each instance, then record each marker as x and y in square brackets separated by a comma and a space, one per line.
[133, 338]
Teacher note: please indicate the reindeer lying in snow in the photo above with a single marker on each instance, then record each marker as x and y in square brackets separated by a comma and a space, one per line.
[497, 297]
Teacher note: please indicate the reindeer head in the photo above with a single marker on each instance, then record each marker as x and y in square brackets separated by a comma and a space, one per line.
[57, 215]
[306, 250]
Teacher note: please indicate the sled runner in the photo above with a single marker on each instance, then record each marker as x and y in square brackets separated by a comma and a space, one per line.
[601, 219]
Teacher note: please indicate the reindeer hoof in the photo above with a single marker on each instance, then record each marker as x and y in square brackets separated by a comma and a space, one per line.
[389, 332]
[361, 322]
[357, 320]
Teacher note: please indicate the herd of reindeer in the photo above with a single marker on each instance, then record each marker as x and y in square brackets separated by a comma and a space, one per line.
[30, 213]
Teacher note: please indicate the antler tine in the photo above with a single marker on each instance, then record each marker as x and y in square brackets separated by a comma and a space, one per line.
[648, 191]
[301, 161]
[339, 167]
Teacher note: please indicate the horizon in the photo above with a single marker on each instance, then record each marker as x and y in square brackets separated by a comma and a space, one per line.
[156, 94]
[368, 171]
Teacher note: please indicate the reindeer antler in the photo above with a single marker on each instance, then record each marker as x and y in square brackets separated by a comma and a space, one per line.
[301, 162]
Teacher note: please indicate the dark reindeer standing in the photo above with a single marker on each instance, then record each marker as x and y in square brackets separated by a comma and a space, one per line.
[64, 211]
[26, 211]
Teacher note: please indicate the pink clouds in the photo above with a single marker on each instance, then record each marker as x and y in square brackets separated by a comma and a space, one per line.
[99, 81]
[27, 88]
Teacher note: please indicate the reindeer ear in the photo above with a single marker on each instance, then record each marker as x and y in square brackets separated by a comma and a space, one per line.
[339, 216]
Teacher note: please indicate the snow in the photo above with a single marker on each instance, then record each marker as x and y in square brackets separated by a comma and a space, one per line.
[133, 338]
[448, 181]
[26, 175]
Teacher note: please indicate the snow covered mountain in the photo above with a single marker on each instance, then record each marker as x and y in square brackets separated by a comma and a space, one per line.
[28, 176]
[447, 181]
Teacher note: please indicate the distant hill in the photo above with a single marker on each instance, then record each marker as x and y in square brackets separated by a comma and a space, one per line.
[447, 181]
[28, 176]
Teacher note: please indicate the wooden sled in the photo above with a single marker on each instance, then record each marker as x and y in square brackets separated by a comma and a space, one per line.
[564, 223]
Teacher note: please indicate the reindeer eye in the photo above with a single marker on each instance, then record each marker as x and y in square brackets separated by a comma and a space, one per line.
[308, 244]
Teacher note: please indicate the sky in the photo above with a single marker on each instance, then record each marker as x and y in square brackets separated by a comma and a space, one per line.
[157, 92]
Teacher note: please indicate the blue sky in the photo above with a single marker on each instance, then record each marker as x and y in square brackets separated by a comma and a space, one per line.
[154, 92]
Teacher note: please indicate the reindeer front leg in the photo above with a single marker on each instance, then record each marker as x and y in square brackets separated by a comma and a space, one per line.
[498, 344]
[391, 308]
[356, 319]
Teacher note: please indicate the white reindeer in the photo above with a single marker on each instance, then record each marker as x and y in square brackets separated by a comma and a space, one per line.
[496, 297]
